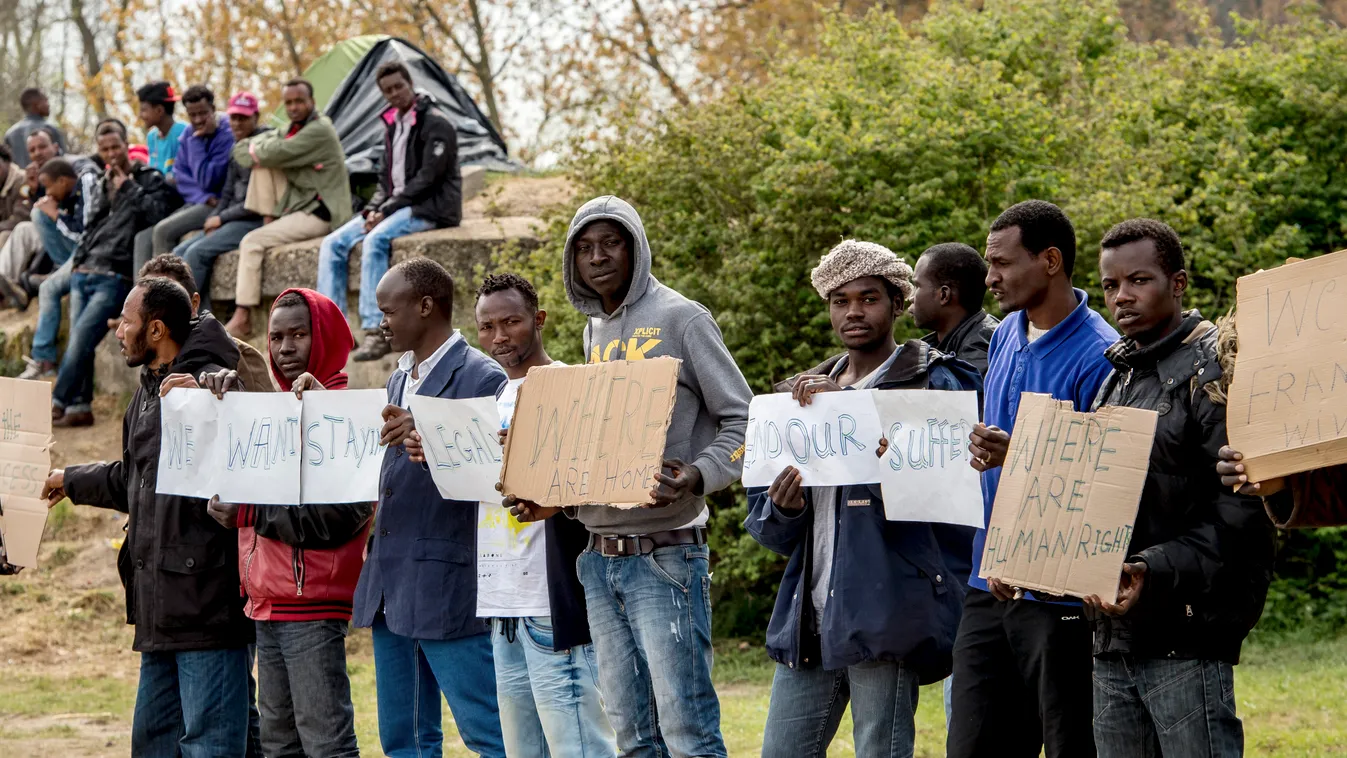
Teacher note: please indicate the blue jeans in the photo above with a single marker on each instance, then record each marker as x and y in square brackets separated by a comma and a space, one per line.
[1152, 707]
[650, 616]
[192, 704]
[201, 252]
[409, 676]
[303, 693]
[807, 706]
[547, 697]
[94, 298]
[374, 257]
[56, 245]
[49, 295]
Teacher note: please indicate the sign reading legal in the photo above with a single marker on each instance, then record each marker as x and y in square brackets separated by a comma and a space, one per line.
[1068, 497]
[592, 434]
[923, 476]
[461, 446]
[1287, 409]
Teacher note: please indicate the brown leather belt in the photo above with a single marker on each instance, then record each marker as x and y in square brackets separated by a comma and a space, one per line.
[611, 546]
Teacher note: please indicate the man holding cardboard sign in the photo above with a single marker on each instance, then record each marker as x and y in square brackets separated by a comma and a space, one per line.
[853, 621]
[646, 573]
[1200, 556]
[1022, 666]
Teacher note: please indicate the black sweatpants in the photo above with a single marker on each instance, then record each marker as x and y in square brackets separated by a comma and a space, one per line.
[1022, 680]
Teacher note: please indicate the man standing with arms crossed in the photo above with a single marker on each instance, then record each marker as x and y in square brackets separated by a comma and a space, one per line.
[1022, 663]
[646, 572]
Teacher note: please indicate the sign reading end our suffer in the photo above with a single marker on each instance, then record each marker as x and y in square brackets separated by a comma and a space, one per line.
[1288, 398]
[1068, 497]
[590, 435]
[25, 460]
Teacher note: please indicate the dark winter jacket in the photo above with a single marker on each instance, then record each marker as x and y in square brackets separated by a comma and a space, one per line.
[433, 187]
[15, 205]
[178, 566]
[235, 191]
[969, 340]
[896, 592]
[144, 200]
[1208, 551]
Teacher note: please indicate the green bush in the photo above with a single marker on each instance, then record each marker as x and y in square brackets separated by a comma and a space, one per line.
[919, 135]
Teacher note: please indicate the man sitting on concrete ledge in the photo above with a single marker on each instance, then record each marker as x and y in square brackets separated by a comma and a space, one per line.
[299, 186]
[419, 189]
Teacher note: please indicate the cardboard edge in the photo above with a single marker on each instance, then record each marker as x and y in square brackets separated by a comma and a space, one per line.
[1296, 460]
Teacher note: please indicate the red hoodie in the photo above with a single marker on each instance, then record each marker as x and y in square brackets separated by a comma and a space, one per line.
[301, 563]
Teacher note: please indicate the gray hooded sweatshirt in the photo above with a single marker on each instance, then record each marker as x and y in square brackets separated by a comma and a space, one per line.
[711, 409]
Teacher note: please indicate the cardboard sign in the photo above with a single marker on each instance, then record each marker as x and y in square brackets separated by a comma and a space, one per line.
[1287, 409]
[1068, 497]
[461, 446]
[25, 461]
[263, 447]
[592, 434]
[923, 476]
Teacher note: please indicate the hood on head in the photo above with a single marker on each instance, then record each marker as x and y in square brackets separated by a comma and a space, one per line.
[610, 208]
[207, 344]
[332, 341]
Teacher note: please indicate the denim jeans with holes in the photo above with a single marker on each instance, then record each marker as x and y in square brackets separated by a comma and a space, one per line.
[1153, 707]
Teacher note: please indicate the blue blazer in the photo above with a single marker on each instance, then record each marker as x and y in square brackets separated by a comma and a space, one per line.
[422, 565]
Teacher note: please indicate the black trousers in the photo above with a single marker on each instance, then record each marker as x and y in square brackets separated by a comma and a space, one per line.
[1022, 681]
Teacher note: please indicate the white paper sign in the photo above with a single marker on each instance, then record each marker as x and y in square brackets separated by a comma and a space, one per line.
[342, 454]
[461, 446]
[269, 448]
[923, 476]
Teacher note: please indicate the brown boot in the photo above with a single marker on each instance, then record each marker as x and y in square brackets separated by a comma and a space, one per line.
[77, 418]
[373, 348]
[240, 325]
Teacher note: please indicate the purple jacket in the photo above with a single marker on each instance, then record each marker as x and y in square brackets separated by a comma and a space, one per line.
[202, 162]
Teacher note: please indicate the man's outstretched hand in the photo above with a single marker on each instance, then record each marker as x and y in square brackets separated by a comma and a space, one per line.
[681, 479]
[53, 490]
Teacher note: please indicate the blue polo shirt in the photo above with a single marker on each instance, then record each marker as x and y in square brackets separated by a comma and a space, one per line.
[1068, 363]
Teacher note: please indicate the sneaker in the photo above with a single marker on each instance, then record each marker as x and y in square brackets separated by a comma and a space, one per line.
[77, 418]
[14, 294]
[38, 369]
[374, 347]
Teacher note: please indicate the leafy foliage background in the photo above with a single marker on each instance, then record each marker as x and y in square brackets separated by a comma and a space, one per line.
[912, 135]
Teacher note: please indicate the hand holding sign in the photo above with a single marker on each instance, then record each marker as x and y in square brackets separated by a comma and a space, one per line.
[220, 381]
[225, 514]
[1232, 475]
[988, 444]
[686, 478]
[398, 423]
[53, 490]
[787, 490]
[1129, 591]
[173, 381]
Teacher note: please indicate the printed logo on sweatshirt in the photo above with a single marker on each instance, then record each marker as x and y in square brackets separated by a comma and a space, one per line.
[634, 349]
[863, 503]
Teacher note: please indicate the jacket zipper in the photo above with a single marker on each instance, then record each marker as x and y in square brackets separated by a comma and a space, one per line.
[297, 563]
[248, 568]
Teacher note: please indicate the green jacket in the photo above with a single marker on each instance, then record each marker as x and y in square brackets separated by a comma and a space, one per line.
[314, 166]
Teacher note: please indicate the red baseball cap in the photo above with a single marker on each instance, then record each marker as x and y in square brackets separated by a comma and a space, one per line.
[242, 104]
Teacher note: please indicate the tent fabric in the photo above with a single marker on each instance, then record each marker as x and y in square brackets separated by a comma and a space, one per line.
[346, 90]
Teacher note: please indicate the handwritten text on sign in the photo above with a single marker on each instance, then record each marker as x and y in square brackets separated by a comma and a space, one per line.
[593, 434]
[1288, 399]
[1068, 497]
[923, 476]
[25, 460]
[461, 446]
[272, 448]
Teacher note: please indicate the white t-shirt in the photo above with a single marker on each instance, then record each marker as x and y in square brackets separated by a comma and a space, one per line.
[511, 557]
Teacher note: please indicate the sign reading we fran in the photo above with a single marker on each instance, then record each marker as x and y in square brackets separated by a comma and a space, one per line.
[1287, 409]
[592, 434]
[1068, 497]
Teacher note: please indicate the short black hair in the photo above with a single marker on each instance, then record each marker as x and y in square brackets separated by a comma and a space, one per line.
[300, 81]
[110, 126]
[388, 68]
[5, 154]
[157, 93]
[196, 93]
[165, 300]
[58, 168]
[1168, 247]
[290, 300]
[954, 264]
[429, 279]
[170, 266]
[51, 135]
[1042, 225]
[502, 282]
[30, 97]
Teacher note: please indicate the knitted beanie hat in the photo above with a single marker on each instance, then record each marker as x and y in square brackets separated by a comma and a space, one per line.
[853, 259]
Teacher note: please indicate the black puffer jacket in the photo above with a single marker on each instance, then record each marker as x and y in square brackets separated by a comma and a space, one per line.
[235, 192]
[1208, 550]
[179, 567]
[433, 187]
[144, 200]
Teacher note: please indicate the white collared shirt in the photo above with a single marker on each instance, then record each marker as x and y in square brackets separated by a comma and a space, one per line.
[423, 370]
